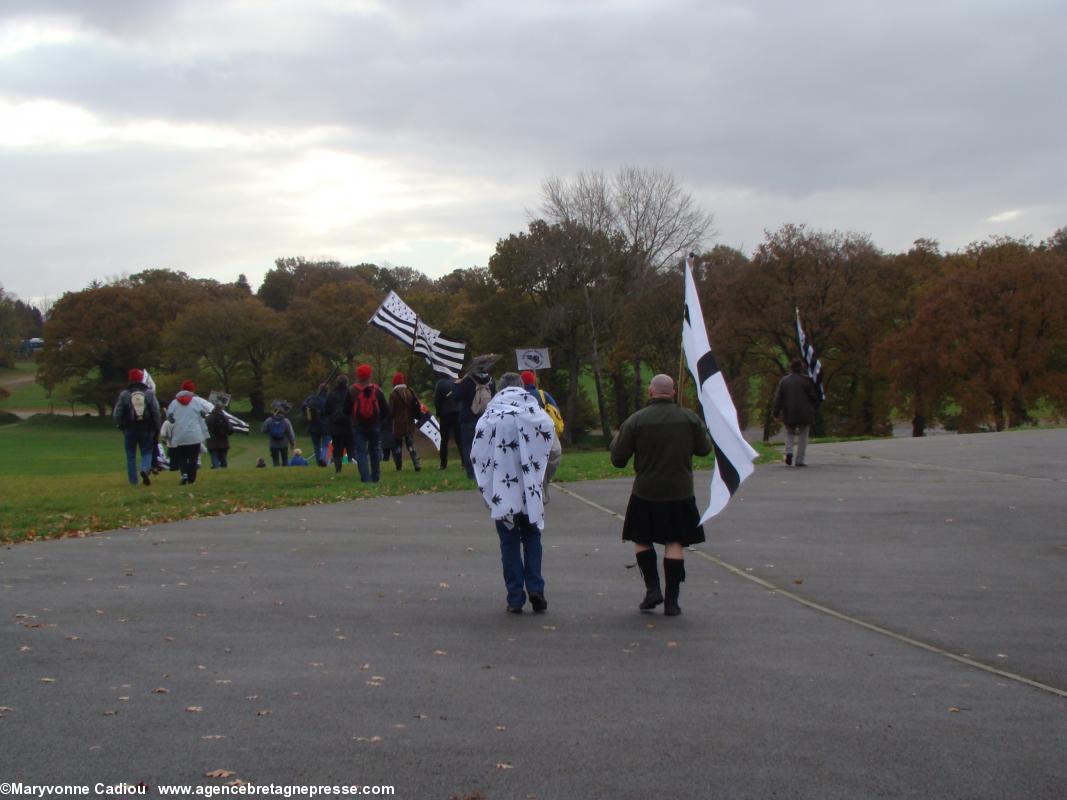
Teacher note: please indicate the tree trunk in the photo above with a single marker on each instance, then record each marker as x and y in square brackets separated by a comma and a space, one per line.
[605, 427]
[639, 389]
[1018, 414]
[574, 368]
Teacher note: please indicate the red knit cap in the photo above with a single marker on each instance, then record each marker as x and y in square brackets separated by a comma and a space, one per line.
[398, 378]
[529, 378]
[363, 372]
[136, 375]
[188, 386]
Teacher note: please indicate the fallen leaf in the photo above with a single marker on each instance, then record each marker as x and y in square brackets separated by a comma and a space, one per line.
[236, 782]
[160, 690]
[48, 680]
[212, 736]
[73, 638]
[194, 709]
[219, 773]
[798, 581]
[5, 709]
[501, 727]
[25, 648]
[124, 699]
[440, 653]
[503, 765]
[421, 716]
[443, 585]
[672, 644]
[954, 710]
[110, 713]
[266, 712]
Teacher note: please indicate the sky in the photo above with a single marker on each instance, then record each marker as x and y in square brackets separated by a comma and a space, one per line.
[215, 136]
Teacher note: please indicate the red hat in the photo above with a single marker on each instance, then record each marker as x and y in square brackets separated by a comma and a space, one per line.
[136, 375]
[529, 378]
[398, 378]
[188, 386]
[363, 372]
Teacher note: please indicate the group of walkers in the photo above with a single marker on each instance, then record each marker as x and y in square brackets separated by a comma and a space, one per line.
[509, 444]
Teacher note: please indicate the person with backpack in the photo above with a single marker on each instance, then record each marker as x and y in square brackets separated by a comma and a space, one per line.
[338, 421]
[314, 409]
[551, 407]
[404, 408]
[473, 393]
[282, 437]
[188, 413]
[218, 443]
[137, 414]
[369, 411]
[447, 408]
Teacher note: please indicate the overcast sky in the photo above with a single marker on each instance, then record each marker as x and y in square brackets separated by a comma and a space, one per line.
[213, 136]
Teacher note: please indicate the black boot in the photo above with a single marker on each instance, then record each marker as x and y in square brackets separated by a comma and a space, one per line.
[674, 572]
[646, 560]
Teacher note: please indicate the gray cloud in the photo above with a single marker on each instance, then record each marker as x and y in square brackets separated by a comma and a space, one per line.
[904, 120]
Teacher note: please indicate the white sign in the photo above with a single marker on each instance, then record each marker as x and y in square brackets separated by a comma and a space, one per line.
[534, 358]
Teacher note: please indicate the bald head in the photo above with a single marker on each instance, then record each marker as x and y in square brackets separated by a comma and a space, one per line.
[661, 386]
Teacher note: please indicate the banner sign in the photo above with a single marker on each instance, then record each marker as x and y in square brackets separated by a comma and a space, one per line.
[534, 358]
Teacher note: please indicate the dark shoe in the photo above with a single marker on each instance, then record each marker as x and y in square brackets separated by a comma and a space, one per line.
[184, 480]
[674, 572]
[145, 479]
[646, 560]
[789, 459]
[801, 464]
[444, 466]
[653, 597]
[537, 600]
[514, 610]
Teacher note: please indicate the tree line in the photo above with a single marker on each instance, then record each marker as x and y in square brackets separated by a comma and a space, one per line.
[974, 339]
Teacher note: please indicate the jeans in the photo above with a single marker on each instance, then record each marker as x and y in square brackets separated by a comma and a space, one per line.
[367, 442]
[320, 443]
[520, 554]
[800, 434]
[134, 438]
[218, 458]
[279, 456]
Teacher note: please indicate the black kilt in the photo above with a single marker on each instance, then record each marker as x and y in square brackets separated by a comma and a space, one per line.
[662, 522]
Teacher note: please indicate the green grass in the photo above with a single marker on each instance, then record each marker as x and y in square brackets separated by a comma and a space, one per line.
[66, 476]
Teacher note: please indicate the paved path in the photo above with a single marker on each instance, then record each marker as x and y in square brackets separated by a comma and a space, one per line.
[366, 643]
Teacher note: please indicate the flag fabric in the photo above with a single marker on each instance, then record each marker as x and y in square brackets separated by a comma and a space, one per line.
[534, 358]
[236, 423]
[395, 317]
[811, 358]
[430, 428]
[733, 455]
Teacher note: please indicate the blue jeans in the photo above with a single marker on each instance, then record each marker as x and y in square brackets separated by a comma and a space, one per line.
[218, 458]
[320, 443]
[520, 554]
[134, 438]
[368, 442]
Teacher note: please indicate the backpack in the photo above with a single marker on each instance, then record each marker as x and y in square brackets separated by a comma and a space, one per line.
[482, 395]
[365, 408]
[218, 426]
[553, 413]
[277, 428]
[312, 408]
[138, 406]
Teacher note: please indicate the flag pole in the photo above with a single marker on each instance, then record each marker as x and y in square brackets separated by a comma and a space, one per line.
[411, 355]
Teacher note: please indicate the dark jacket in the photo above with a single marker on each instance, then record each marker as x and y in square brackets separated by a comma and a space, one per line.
[663, 438]
[445, 403]
[796, 399]
[318, 423]
[463, 391]
[338, 411]
[123, 417]
[288, 437]
[220, 429]
[404, 407]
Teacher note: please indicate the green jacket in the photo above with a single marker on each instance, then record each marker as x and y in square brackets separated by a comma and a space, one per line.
[663, 438]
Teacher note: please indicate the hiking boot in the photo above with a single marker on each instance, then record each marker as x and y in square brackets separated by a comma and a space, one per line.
[789, 459]
[145, 479]
[537, 600]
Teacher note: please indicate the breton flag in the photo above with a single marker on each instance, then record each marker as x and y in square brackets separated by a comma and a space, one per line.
[811, 358]
[395, 317]
[733, 455]
[430, 427]
[236, 423]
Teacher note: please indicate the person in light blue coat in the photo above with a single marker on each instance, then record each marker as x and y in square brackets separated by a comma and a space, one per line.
[188, 414]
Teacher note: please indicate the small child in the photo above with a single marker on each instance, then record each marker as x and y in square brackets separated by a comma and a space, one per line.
[298, 459]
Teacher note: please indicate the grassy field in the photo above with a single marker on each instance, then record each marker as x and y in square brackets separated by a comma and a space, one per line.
[64, 476]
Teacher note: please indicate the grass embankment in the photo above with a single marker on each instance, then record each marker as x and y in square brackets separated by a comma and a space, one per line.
[67, 477]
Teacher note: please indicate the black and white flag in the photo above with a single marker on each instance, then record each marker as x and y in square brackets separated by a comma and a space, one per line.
[395, 317]
[811, 358]
[237, 425]
[430, 428]
[733, 455]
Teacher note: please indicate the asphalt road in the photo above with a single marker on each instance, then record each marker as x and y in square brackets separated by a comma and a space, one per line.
[366, 643]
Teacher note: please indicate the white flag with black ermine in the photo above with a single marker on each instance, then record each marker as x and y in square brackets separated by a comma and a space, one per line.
[733, 455]
[429, 426]
[396, 317]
